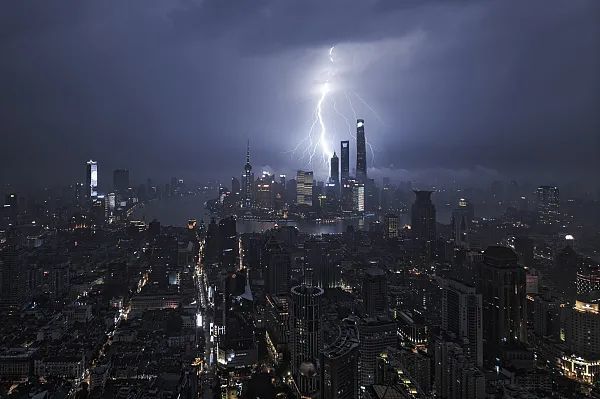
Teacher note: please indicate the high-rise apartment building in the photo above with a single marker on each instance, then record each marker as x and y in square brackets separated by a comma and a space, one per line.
[456, 376]
[306, 343]
[304, 187]
[263, 186]
[12, 278]
[358, 196]
[461, 316]
[406, 369]
[392, 225]
[582, 332]
[548, 205]
[375, 335]
[340, 364]
[374, 292]
[588, 278]
[503, 289]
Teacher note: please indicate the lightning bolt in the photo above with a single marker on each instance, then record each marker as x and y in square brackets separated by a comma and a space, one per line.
[327, 153]
[321, 132]
[362, 100]
[354, 113]
[346, 120]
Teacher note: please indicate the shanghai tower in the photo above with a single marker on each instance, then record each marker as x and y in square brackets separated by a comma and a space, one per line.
[361, 152]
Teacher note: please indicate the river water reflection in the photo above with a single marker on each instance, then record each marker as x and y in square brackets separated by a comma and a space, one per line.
[177, 211]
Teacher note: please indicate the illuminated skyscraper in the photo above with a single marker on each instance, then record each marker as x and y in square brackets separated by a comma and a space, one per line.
[582, 336]
[461, 316]
[361, 152]
[247, 182]
[588, 278]
[548, 206]
[91, 179]
[392, 225]
[345, 154]
[264, 191]
[304, 188]
[358, 196]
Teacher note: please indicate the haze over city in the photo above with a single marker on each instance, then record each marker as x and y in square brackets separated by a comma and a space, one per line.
[464, 90]
[277, 199]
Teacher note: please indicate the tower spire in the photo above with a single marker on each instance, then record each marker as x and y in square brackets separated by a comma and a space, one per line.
[248, 152]
[248, 179]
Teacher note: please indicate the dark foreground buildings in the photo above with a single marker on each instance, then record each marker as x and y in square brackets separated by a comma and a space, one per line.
[398, 303]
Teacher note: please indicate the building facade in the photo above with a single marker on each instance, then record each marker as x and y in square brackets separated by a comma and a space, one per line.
[304, 187]
[502, 285]
[306, 339]
[548, 205]
[91, 182]
[361, 152]
[461, 316]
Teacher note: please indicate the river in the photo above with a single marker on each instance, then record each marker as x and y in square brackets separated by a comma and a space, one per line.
[177, 212]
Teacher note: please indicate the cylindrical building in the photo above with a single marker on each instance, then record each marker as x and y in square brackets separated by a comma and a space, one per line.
[307, 338]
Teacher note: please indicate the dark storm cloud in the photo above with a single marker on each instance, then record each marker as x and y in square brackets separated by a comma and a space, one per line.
[171, 88]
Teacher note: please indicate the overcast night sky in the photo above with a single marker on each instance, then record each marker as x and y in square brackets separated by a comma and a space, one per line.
[490, 89]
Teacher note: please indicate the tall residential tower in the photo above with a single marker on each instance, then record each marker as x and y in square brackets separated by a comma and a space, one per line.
[304, 187]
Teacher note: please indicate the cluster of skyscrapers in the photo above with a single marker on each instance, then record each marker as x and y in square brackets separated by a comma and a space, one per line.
[398, 304]
[341, 191]
[351, 189]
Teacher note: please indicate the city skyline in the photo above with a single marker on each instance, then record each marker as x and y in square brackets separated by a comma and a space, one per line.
[273, 199]
[431, 121]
